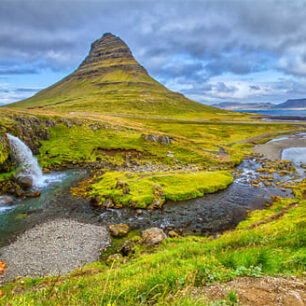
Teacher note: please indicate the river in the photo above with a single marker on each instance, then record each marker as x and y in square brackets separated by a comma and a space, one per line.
[212, 213]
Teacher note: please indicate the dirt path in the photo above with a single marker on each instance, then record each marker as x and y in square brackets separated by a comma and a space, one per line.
[252, 291]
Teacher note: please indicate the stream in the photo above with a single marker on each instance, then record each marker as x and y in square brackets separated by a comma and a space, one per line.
[206, 215]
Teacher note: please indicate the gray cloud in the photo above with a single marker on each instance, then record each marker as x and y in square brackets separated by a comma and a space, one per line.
[182, 42]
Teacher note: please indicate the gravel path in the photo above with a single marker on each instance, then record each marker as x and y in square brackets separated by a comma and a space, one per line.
[53, 248]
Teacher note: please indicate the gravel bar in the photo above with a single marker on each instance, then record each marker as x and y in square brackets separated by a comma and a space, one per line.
[53, 248]
[273, 150]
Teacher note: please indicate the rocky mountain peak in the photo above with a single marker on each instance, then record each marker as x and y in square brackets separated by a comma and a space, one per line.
[108, 51]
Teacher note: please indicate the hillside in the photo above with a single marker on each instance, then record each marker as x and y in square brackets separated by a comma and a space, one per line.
[111, 81]
[292, 103]
[289, 104]
[241, 106]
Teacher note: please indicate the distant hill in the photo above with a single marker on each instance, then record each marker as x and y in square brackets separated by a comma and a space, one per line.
[289, 104]
[242, 106]
[111, 81]
[292, 103]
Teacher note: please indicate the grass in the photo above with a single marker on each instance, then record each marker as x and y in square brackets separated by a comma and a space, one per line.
[177, 265]
[85, 144]
[134, 93]
[153, 189]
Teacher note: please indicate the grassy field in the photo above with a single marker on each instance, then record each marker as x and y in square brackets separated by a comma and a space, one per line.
[276, 246]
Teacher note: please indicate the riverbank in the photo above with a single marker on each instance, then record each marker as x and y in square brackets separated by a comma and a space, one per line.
[273, 150]
[53, 248]
[180, 269]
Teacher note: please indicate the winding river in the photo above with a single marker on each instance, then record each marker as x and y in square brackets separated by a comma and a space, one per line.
[211, 213]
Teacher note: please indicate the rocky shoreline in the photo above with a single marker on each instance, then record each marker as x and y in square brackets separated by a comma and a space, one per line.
[53, 248]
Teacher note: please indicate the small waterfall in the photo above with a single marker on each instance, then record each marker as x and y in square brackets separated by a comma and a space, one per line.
[23, 157]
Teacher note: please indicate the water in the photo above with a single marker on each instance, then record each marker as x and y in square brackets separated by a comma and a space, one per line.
[294, 136]
[23, 156]
[276, 112]
[297, 156]
[55, 201]
[211, 213]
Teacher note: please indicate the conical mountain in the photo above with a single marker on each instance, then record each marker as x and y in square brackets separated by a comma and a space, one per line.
[111, 81]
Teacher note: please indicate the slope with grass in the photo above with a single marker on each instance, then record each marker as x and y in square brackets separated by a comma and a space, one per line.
[111, 81]
[175, 270]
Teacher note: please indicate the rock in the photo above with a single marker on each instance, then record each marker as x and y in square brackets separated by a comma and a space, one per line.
[35, 194]
[120, 185]
[25, 181]
[94, 201]
[108, 203]
[163, 139]
[153, 236]
[126, 190]
[113, 258]
[170, 154]
[6, 201]
[173, 234]
[159, 197]
[118, 230]
[67, 123]
[127, 248]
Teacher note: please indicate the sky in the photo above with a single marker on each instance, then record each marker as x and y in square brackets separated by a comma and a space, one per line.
[210, 50]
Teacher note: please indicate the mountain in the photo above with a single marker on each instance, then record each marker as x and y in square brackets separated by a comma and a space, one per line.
[292, 103]
[242, 106]
[111, 81]
[289, 104]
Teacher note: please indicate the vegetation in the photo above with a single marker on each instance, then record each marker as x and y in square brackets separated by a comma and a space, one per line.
[274, 247]
[153, 189]
[110, 115]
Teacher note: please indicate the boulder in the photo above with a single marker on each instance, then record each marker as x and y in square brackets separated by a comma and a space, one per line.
[153, 236]
[25, 181]
[118, 230]
[6, 201]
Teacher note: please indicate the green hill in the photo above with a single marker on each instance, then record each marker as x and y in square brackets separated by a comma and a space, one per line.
[111, 81]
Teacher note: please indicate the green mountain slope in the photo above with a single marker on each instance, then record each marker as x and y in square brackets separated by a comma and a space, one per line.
[111, 81]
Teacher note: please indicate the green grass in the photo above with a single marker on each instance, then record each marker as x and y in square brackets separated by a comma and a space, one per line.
[119, 86]
[84, 144]
[274, 248]
[145, 189]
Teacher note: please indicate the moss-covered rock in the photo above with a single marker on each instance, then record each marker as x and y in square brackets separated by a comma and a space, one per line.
[118, 230]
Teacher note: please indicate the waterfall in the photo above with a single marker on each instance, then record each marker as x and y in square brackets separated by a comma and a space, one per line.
[23, 157]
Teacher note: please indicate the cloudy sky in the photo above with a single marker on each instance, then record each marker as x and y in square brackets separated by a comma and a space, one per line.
[211, 51]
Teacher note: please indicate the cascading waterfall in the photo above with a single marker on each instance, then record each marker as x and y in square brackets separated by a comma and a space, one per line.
[24, 158]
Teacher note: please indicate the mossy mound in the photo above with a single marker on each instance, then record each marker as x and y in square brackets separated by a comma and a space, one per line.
[152, 190]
